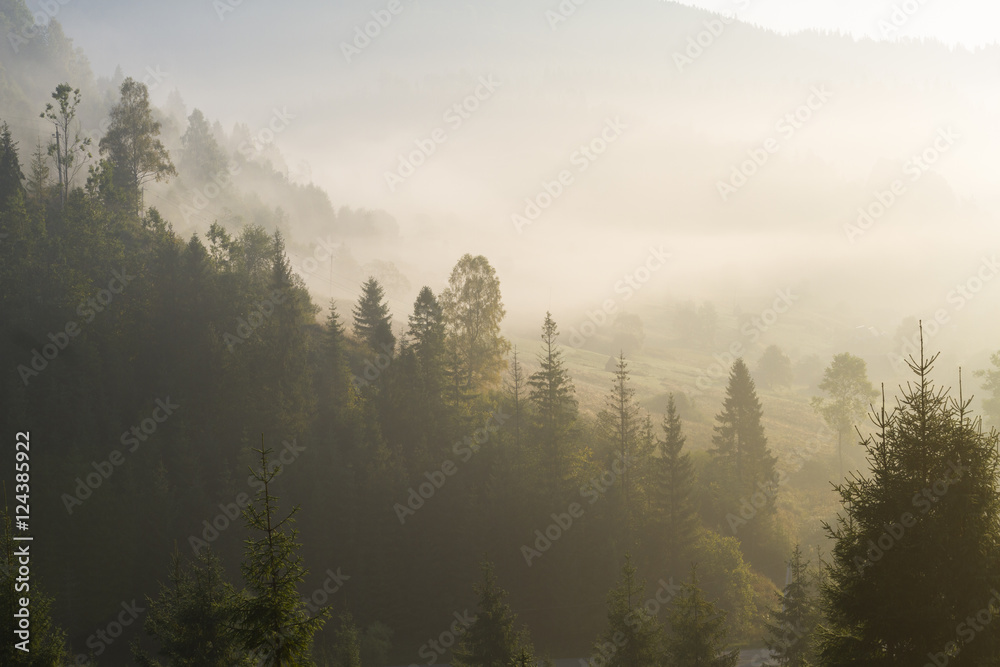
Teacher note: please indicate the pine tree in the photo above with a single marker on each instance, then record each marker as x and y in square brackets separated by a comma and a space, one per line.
[552, 395]
[697, 630]
[621, 426]
[516, 393]
[37, 184]
[202, 155]
[676, 519]
[633, 638]
[372, 321]
[492, 640]
[740, 449]
[10, 166]
[428, 335]
[194, 619]
[275, 627]
[790, 634]
[917, 543]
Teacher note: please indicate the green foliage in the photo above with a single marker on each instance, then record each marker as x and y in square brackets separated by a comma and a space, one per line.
[849, 394]
[275, 628]
[372, 321]
[195, 618]
[10, 166]
[70, 153]
[991, 404]
[774, 368]
[202, 156]
[676, 520]
[697, 630]
[473, 309]
[131, 141]
[492, 640]
[346, 644]
[917, 543]
[790, 634]
[552, 394]
[47, 645]
[633, 638]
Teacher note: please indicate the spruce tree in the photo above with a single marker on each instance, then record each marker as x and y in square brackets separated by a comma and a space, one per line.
[492, 640]
[697, 630]
[195, 617]
[10, 166]
[552, 395]
[675, 520]
[427, 332]
[275, 626]
[633, 638]
[917, 544]
[744, 462]
[790, 635]
[372, 321]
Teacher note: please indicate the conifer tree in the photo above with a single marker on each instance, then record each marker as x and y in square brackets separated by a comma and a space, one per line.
[10, 166]
[697, 630]
[372, 321]
[428, 335]
[275, 627]
[790, 635]
[917, 544]
[492, 640]
[675, 519]
[516, 393]
[195, 617]
[552, 395]
[633, 638]
[740, 450]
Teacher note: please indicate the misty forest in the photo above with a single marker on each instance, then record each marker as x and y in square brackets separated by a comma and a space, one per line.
[494, 335]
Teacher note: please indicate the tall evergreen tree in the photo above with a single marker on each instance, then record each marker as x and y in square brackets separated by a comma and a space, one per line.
[37, 184]
[552, 394]
[740, 446]
[697, 630]
[790, 634]
[633, 638]
[10, 166]
[275, 627]
[202, 155]
[917, 544]
[428, 335]
[492, 640]
[372, 321]
[675, 519]
[516, 392]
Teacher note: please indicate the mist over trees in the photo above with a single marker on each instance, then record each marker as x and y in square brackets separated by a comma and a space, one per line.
[257, 441]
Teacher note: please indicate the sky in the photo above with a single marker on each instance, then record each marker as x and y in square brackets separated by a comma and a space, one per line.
[969, 23]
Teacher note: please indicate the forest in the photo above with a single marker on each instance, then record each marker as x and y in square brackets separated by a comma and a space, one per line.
[226, 470]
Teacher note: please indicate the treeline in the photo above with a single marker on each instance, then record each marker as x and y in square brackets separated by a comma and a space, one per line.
[148, 369]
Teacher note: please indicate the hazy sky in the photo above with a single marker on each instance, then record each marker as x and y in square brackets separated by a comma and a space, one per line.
[967, 22]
